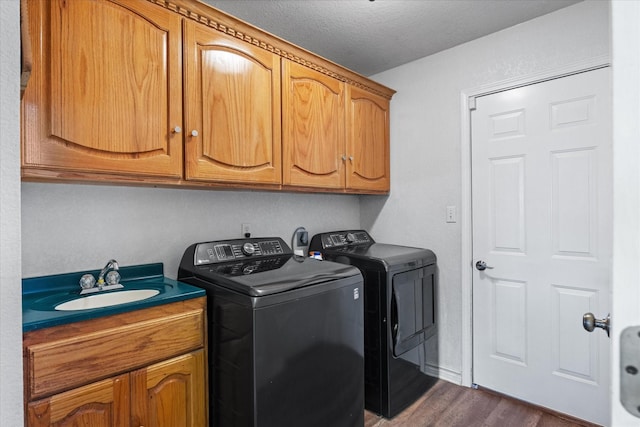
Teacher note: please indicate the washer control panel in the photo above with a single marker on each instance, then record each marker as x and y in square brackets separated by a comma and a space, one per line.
[337, 239]
[241, 249]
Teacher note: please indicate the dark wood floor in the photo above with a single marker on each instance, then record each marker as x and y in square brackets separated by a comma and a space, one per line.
[450, 405]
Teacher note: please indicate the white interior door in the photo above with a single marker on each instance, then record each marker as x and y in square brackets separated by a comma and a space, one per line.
[542, 222]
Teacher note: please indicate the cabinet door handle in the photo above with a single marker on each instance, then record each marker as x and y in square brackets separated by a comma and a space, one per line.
[176, 129]
[194, 133]
[344, 158]
[351, 158]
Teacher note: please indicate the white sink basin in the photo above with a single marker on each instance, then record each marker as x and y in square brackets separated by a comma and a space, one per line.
[107, 300]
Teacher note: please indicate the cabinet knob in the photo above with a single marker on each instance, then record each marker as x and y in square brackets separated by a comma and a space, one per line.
[351, 158]
[177, 129]
[194, 133]
[344, 158]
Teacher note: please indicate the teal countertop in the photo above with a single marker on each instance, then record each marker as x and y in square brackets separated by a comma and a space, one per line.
[41, 294]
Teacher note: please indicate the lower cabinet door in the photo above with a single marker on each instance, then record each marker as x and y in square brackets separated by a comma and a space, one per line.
[170, 393]
[103, 403]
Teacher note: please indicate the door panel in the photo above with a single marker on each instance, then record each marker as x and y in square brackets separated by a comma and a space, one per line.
[507, 190]
[574, 203]
[541, 177]
[568, 304]
[508, 323]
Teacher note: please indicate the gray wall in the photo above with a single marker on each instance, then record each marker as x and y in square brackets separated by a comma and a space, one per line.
[426, 140]
[10, 285]
[67, 227]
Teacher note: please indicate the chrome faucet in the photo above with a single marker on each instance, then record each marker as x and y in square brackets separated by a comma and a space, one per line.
[110, 271]
[111, 265]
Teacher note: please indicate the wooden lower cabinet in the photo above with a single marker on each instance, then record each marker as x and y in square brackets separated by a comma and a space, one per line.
[160, 379]
[102, 404]
[167, 394]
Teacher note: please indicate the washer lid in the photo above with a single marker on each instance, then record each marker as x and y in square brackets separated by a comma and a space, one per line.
[359, 244]
[267, 276]
[389, 254]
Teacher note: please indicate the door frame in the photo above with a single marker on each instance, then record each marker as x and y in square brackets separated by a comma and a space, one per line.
[626, 229]
[467, 101]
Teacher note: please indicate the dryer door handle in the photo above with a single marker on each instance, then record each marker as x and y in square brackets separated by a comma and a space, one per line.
[394, 320]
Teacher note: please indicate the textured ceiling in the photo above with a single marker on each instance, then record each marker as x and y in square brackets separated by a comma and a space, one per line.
[373, 36]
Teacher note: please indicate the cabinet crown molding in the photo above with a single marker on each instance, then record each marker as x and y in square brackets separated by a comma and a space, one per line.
[228, 24]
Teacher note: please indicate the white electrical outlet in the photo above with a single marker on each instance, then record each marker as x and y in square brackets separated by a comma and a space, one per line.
[246, 229]
[451, 214]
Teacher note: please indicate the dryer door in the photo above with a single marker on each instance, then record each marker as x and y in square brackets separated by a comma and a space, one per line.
[412, 308]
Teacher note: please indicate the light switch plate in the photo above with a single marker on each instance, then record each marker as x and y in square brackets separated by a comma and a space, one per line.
[452, 214]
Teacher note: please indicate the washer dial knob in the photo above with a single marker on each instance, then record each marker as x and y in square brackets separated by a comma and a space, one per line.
[248, 249]
[350, 237]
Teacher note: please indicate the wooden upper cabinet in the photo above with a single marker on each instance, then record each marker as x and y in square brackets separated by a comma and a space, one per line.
[367, 141]
[232, 99]
[313, 112]
[105, 89]
[181, 94]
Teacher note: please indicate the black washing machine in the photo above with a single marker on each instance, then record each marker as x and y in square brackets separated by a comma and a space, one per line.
[285, 335]
[400, 314]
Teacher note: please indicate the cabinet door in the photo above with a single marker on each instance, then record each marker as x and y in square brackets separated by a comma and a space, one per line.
[101, 404]
[171, 393]
[313, 128]
[233, 103]
[105, 89]
[367, 141]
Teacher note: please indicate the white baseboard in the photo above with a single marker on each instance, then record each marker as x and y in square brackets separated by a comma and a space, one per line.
[443, 373]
